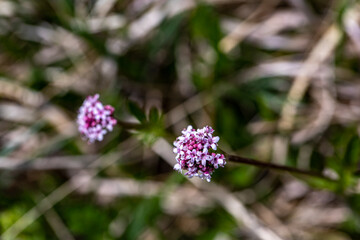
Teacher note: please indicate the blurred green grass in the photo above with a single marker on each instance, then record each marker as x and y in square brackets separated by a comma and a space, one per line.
[147, 55]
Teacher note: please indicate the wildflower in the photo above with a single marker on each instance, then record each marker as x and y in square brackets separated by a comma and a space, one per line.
[94, 119]
[195, 153]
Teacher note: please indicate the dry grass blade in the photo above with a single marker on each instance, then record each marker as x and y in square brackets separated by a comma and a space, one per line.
[16, 92]
[49, 163]
[246, 27]
[56, 223]
[325, 96]
[352, 26]
[319, 54]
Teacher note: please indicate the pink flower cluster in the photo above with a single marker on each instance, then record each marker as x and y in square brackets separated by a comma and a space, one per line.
[194, 153]
[94, 119]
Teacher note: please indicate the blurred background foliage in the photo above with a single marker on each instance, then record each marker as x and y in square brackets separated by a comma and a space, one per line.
[277, 79]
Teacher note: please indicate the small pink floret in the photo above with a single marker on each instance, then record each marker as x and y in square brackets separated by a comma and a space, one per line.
[194, 149]
[94, 119]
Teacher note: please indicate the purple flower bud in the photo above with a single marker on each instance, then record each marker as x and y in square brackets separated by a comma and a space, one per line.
[95, 120]
[199, 160]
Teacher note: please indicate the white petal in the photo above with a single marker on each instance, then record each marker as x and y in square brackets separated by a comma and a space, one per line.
[177, 167]
[99, 106]
[215, 139]
[213, 146]
[203, 162]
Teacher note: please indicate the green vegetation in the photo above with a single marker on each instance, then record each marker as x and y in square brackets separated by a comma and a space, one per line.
[277, 80]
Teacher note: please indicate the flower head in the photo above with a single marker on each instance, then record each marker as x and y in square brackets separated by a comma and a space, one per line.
[194, 149]
[94, 119]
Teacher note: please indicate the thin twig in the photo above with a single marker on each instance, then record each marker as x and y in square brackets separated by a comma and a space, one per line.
[261, 164]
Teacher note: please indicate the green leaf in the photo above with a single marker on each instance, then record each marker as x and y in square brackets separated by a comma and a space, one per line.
[205, 24]
[167, 34]
[137, 111]
[154, 115]
[352, 153]
[349, 162]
